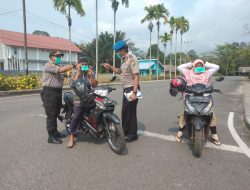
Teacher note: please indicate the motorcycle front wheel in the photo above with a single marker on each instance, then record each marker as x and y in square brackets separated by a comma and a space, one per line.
[116, 139]
[198, 143]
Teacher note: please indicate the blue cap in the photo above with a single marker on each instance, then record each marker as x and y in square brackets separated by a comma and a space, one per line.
[119, 45]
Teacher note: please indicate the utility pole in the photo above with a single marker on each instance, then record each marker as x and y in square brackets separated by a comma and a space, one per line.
[69, 24]
[150, 27]
[114, 6]
[96, 55]
[25, 38]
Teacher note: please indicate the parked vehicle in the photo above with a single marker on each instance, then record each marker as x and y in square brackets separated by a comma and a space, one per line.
[100, 121]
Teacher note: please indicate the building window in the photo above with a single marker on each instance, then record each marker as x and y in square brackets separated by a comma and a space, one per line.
[15, 51]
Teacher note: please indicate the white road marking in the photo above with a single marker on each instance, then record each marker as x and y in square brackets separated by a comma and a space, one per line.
[208, 144]
[235, 135]
[243, 149]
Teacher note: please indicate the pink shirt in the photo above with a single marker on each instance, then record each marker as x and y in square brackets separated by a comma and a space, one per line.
[191, 77]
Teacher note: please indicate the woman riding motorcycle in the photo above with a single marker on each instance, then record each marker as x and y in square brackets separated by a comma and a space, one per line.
[193, 73]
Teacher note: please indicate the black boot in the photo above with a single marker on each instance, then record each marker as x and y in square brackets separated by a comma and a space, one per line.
[54, 140]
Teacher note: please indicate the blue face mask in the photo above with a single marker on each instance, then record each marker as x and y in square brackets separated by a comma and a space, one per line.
[199, 69]
[58, 60]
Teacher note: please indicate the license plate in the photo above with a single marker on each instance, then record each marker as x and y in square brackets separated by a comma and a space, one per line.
[199, 99]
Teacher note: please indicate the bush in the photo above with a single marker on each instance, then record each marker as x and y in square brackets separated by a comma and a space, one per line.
[18, 83]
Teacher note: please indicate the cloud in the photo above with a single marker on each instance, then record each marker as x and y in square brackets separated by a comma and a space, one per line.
[211, 21]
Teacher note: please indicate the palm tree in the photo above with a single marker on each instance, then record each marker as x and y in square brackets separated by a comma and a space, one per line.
[177, 27]
[149, 17]
[62, 5]
[114, 6]
[165, 38]
[156, 12]
[97, 40]
[160, 12]
[184, 27]
[172, 26]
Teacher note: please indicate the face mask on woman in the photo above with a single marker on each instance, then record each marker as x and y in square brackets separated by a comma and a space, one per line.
[199, 69]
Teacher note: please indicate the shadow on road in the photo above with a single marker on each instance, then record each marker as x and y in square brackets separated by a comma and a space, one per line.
[141, 126]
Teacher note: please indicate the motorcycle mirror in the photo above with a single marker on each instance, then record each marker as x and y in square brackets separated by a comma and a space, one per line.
[113, 79]
[219, 79]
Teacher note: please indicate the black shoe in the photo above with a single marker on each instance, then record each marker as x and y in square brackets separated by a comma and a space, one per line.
[58, 135]
[130, 139]
[54, 140]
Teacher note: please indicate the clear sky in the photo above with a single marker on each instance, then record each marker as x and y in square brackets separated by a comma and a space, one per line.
[211, 21]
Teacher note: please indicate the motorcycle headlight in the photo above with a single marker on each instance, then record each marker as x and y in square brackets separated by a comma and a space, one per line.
[208, 108]
[191, 108]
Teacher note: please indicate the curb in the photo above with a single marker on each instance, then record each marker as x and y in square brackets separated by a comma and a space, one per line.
[35, 91]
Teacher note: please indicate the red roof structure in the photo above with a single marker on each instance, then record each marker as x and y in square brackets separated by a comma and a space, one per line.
[36, 41]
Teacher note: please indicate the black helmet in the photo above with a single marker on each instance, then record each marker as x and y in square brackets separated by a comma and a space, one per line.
[178, 83]
[81, 87]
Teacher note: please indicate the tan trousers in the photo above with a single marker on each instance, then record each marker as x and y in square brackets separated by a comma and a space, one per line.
[182, 121]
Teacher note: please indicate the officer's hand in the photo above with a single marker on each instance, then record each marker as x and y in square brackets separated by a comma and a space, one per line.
[106, 66]
[133, 97]
[90, 72]
[78, 66]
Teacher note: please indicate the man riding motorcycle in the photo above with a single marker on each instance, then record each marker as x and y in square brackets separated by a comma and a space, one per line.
[193, 73]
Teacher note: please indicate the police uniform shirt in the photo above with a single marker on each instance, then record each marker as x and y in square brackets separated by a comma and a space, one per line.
[51, 76]
[129, 67]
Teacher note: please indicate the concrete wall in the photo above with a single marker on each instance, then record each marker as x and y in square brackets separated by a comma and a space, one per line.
[1, 50]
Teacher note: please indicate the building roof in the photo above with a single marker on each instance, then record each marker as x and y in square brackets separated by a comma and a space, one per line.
[244, 69]
[146, 64]
[36, 41]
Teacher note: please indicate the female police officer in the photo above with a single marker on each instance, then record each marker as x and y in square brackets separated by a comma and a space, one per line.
[52, 93]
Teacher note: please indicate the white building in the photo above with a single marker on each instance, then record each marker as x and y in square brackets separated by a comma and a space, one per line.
[12, 54]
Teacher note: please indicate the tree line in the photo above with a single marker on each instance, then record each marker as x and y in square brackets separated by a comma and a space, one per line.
[229, 56]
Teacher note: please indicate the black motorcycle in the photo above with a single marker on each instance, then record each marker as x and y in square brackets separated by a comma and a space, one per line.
[99, 121]
[198, 113]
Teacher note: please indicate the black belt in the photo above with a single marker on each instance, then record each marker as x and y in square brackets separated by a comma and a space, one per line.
[52, 89]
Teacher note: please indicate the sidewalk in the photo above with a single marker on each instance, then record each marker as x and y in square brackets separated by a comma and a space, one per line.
[246, 101]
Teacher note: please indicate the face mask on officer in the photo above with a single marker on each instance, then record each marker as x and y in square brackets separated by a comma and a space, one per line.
[58, 60]
[118, 56]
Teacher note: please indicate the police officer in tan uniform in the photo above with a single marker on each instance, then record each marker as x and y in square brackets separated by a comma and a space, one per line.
[53, 77]
[129, 71]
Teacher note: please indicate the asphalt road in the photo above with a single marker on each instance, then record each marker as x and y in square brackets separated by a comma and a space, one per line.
[155, 161]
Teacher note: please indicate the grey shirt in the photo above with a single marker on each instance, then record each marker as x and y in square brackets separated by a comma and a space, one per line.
[51, 76]
[129, 67]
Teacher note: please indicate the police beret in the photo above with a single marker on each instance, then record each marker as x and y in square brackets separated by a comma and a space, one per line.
[120, 45]
[55, 53]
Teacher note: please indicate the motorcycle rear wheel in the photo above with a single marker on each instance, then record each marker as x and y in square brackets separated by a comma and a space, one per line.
[197, 149]
[116, 139]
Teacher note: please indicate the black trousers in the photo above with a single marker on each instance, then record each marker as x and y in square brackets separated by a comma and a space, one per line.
[52, 102]
[129, 118]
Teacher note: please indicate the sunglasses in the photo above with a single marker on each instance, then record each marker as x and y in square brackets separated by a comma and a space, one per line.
[58, 55]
